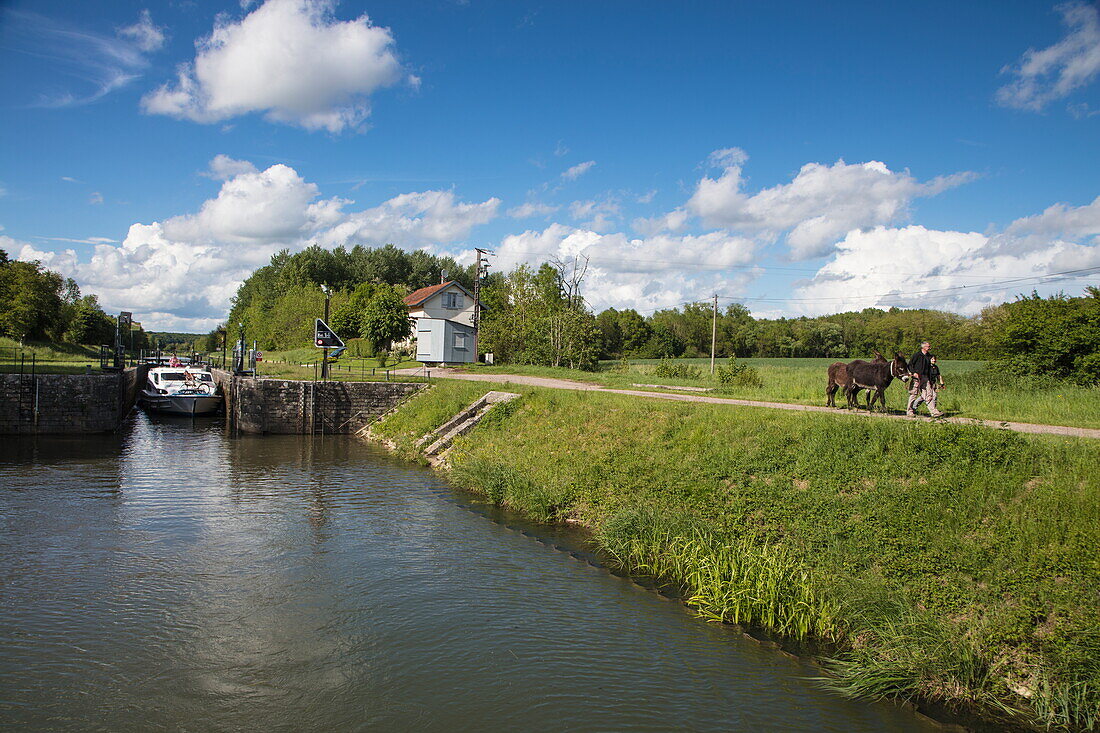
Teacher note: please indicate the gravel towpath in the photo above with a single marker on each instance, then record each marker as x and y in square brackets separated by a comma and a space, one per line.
[551, 383]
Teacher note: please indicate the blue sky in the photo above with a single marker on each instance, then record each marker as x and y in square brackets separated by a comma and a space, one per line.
[798, 158]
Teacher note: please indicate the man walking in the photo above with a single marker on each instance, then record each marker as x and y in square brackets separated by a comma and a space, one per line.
[921, 388]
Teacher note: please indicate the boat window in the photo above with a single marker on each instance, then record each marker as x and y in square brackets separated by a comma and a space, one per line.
[172, 376]
[204, 378]
[156, 379]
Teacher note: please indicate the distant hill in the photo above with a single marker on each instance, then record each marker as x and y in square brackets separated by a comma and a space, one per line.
[170, 339]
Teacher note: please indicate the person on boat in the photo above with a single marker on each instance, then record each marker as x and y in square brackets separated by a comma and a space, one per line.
[174, 361]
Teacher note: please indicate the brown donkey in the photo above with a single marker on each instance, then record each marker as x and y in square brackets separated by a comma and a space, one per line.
[838, 378]
[875, 377]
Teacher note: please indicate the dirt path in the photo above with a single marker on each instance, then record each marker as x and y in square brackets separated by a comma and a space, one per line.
[551, 383]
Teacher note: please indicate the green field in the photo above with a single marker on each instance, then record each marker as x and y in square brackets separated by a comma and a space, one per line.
[941, 562]
[971, 391]
[48, 358]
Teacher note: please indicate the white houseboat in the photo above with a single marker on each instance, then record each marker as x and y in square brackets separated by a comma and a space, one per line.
[182, 390]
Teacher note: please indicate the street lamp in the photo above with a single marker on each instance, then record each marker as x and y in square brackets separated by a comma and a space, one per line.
[324, 352]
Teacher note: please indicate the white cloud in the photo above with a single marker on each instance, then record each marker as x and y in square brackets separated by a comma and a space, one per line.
[638, 273]
[182, 272]
[820, 205]
[222, 168]
[95, 198]
[727, 157]
[575, 172]
[70, 179]
[1060, 220]
[148, 36]
[86, 240]
[413, 220]
[290, 59]
[100, 64]
[673, 221]
[599, 216]
[1056, 71]
[530, 209]
[963, 272]
[1081, 110]
[275, 205]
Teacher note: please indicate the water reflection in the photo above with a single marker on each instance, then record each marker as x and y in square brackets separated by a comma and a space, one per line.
[174, 577]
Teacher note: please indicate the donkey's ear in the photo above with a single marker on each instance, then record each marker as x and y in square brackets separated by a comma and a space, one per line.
[878, 354]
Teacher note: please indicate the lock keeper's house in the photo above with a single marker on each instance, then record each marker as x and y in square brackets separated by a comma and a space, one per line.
[444, 317]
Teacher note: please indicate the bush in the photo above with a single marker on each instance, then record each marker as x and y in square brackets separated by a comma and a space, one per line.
[1059, 336]
[673, 369]
[735, 374]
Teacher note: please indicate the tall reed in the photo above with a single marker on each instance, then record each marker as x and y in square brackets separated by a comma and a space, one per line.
[723, 578]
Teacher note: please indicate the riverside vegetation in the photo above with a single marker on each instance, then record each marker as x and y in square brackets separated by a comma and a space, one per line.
[950, 564]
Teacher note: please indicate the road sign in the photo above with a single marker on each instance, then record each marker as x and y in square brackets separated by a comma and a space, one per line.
[259, 356]
[325, 336]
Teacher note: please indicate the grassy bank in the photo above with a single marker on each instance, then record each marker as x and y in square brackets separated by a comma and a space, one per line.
[941, 562]
[49, 358]
[971, 391]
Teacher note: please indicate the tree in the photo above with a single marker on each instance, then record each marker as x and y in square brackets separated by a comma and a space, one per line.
[611, 334]
[347, 320]
[32, 305]
[1058, 336]
[635, 332]
[386, 319]
[89, 324]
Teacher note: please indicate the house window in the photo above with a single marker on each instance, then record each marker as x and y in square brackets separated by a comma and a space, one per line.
[460, 341]
[452, 301]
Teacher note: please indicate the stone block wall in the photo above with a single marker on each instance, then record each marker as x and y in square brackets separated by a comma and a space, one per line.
[298, 407]
[66, 403]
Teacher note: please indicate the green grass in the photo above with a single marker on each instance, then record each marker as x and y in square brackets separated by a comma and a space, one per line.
[49, 358]
[428, 410]
[802, 381]
[944, 562]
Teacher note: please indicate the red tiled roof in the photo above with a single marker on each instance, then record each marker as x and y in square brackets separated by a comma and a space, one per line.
[417, 297]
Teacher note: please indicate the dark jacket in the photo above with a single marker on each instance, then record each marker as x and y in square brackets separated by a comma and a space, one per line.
[934, 375]
[921, 364]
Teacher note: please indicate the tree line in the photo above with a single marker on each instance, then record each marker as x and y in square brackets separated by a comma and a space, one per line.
[37, 304]
[538, 315]
[686, 331]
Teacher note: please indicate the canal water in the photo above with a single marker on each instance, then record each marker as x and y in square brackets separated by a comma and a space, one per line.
[175, 578]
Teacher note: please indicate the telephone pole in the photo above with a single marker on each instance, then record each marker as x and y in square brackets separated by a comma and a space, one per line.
[482, 265]
[713, 332]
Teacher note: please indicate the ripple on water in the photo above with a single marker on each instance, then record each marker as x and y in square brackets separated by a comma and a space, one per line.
[179, 578]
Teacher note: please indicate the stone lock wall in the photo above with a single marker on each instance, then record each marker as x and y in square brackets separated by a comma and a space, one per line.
[298, 407]
[67, 403]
